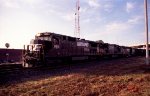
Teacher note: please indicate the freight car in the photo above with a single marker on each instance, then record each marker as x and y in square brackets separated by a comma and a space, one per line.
[48, 47]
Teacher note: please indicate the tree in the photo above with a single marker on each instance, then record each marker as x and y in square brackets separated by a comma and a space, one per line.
[7, 45]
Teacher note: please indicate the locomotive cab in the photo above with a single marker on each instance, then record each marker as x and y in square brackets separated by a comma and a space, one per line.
[33, 55]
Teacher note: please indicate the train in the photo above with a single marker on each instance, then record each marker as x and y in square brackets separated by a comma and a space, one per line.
[49, 47]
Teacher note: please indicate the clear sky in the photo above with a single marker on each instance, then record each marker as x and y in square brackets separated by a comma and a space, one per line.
[113, 21]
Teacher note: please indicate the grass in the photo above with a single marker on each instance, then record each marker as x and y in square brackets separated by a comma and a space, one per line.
[121, 77]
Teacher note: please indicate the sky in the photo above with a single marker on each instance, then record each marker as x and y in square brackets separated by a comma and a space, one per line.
[113, 21]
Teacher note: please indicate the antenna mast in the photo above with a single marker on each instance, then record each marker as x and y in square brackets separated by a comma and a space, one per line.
[77, 19]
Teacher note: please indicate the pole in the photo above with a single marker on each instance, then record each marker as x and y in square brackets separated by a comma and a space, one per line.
[7, 54]
[146, 30]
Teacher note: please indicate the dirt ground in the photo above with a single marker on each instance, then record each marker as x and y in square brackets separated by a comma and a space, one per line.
[119, 77]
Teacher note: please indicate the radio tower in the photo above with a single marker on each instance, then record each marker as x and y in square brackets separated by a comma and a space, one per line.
[77, 20]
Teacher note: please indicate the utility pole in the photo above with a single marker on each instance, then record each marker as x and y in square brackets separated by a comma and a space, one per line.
[146, 30]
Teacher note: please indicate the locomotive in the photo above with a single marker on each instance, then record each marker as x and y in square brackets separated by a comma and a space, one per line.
[48, 47]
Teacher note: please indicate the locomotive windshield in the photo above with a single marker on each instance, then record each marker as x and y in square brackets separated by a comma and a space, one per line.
[35, 47]
[47, 38]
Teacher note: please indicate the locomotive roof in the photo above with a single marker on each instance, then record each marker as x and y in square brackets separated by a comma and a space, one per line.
[51, 33]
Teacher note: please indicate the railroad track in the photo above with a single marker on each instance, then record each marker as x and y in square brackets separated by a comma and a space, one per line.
[14, 68]
[8, 68]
